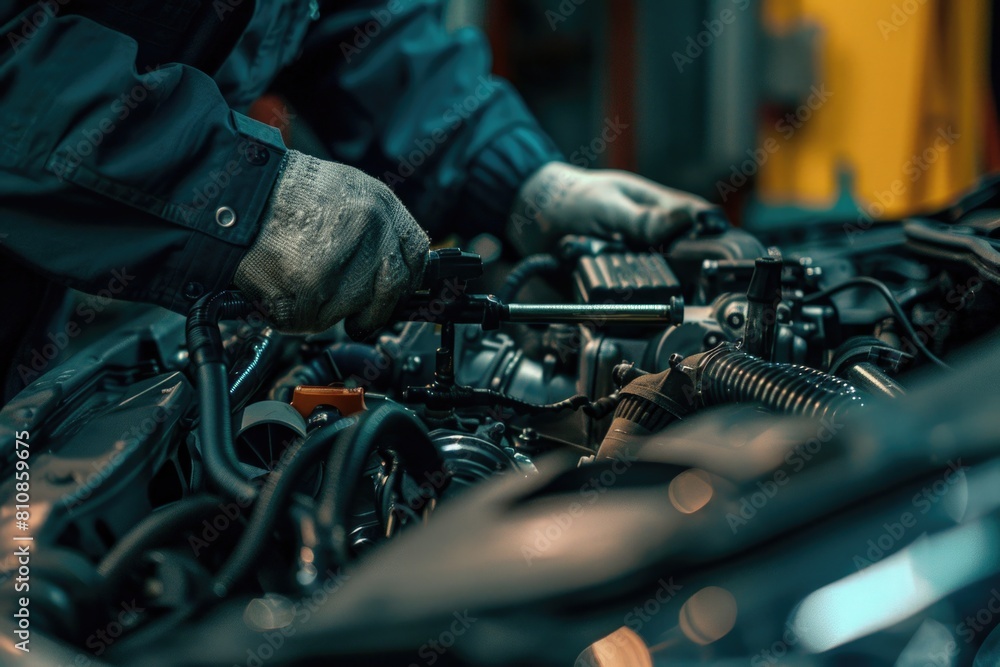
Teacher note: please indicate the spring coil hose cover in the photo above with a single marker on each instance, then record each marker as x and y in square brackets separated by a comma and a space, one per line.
[730, 376]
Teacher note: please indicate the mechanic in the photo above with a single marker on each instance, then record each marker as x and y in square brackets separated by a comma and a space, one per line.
[127, 165]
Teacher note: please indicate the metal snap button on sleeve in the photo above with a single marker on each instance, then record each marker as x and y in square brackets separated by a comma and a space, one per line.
[225, 216]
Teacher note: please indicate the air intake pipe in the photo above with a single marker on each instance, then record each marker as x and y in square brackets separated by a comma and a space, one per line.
[724, 375]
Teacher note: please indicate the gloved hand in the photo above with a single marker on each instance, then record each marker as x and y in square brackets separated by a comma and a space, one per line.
[562, 199]
[333, 243]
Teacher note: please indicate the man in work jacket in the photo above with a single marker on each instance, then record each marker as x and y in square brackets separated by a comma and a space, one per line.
[128, 166]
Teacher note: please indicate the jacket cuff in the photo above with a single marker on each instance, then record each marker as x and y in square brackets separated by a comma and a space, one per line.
[225, 202]
[500, 169]
[205, 265]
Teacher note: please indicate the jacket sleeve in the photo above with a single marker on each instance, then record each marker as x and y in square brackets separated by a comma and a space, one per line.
[141, 185]
[390, 91]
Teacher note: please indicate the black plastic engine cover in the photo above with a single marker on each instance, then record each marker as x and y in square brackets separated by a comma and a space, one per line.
[90, 487]
[625, 278]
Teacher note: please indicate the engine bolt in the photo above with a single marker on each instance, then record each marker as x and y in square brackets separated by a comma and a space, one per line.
[527, 438]
[496, 432]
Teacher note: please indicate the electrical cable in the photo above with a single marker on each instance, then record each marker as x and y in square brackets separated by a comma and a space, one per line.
[890, 299]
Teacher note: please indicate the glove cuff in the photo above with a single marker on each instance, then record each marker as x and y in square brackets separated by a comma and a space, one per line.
[285, 230]
[529, 229]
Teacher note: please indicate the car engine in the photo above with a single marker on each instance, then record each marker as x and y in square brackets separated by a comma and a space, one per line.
[730, 448]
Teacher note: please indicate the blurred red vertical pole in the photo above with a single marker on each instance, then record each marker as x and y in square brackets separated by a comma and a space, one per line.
[271, 110]
[621, 81]
[992, 135]
[498, 31]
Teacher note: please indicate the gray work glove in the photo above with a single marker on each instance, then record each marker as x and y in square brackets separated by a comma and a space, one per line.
[562, 199]
[333, 243]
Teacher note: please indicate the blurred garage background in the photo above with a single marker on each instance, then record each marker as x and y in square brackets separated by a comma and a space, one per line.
[782, 111]
[778, 109]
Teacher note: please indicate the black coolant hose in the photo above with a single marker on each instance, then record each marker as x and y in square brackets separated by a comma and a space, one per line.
[526, 269]
[207, 359]
[300, 457]
[386, 428]
[728, 375]
[160, 526]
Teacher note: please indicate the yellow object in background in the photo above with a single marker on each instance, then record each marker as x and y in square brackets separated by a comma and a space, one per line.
[906, 89]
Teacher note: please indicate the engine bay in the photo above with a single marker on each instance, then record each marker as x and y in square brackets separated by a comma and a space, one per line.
[729, 448]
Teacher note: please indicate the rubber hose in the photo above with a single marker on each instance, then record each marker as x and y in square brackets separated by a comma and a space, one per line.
[214, 428]
[738, 377]
[384, 428]
[297, 457]
[526, 269]
[154, 529]
[215, 434]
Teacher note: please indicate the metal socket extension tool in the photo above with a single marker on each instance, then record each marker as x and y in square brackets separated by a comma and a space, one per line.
[443, 299]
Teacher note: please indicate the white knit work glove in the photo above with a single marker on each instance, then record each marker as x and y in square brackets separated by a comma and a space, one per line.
[333, 243]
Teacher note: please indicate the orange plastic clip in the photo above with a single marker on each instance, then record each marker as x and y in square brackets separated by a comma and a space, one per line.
[348, 400]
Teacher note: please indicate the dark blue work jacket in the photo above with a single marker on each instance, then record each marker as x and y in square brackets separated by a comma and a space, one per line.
[127, 165]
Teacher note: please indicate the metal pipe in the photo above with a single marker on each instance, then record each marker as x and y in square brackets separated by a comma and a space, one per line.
[672, 313]
[874, 380]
